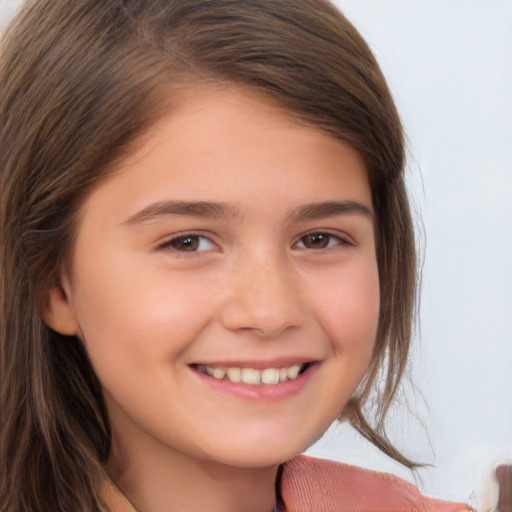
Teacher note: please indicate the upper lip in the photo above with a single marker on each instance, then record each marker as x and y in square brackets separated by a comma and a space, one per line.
[257, 364]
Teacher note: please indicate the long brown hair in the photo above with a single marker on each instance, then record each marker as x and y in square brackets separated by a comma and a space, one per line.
[79, 82]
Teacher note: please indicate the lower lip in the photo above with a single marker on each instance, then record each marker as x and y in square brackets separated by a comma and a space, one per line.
[270, 392]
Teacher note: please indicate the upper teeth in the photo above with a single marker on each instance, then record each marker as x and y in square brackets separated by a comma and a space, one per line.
[252, 375]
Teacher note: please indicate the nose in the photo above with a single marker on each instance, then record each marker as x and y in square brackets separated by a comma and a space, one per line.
[262, 298]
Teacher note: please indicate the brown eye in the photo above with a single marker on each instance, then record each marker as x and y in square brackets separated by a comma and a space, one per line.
[186, 243]
[321, 240]
[316, 240]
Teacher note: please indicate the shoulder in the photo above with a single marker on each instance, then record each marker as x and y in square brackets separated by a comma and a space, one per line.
[309, 484]
[114, 500]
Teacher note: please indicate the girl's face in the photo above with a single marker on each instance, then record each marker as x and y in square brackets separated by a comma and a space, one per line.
[233, 246]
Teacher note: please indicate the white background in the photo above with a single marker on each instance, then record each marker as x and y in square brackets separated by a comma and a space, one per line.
[449, 65]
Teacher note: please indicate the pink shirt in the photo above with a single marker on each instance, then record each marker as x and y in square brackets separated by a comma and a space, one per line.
[316, 485]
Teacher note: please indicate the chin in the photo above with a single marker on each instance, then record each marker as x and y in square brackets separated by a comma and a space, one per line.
[260, 453]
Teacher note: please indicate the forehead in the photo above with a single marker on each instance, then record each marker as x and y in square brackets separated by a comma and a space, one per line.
[195, 109]
[235, 145]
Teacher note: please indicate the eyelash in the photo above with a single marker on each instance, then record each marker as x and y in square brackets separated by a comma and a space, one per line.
[169, 243]
[330, 237]
[332, 241]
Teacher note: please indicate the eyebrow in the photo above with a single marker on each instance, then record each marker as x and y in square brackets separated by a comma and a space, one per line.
[202, 209]
[323, 210]
[230, 213]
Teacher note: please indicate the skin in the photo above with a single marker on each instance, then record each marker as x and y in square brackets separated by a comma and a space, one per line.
[248, 287]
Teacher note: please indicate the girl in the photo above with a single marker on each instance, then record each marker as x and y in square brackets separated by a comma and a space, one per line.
[207, 257]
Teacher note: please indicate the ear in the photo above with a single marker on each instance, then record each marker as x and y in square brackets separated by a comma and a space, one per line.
[60, 315]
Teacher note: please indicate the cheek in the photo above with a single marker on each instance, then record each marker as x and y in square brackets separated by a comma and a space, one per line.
[350, 306]
[348, 310]
[140, 317]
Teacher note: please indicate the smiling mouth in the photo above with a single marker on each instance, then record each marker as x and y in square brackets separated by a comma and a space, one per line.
[254, 376]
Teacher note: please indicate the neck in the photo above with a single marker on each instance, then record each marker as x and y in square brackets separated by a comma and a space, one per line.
[157, 479]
